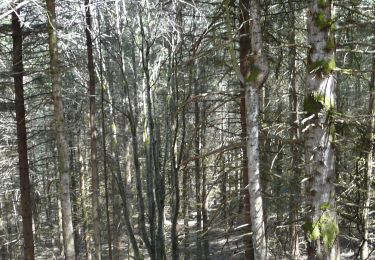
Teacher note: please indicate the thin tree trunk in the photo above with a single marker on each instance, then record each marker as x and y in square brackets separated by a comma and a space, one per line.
[245, 50]
[93, 133]
[116, 203]
[370, 162]
[197, 169]
[26, 211]
[153, 166]
[175, 203]
[84, 192]
[106, 193]
[60, 229]
[206, 243]
[122, 186]
[62, 145]
[185, 211]
[254, 82]
[295, 137]
[132, 116]
[175, 159]
[75, 196]
[321, 225]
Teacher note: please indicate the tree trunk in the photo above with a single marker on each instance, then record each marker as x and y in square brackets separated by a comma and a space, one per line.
[106, 192]
[175, 154]
[254, 82]
[62, 145]
[76, 192]
[122, 186]
[245, 51]
[185, 210]
[155, 178]
[370, 163]
[93, 133]
[26, 211]
[321, 225]
[197, 168]
[294, 136]
[205, 238]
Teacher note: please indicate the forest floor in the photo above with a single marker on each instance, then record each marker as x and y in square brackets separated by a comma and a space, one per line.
[225, 239]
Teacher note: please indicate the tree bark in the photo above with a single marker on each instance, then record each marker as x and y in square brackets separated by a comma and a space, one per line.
[93, 133]
[245, 50]
[26, 210]
[370, 163]
[62, 145]
[321, 225]
[106, 177]
[155, 178]
[254, 82]
[197, 168]
[122, 186]
[294, 136]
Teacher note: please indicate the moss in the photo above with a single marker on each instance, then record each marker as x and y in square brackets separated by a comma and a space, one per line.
[330, 45]
[322, 22]
[315, 102]
[332, 127]
[330, 65]
[325, 229]
[312, 105]
[254, 74]
[323, 3]
[328, 229]
[147, 140]
[324, 206]
[323, 66]
[324, 100]
[315, 232]
[312, 230]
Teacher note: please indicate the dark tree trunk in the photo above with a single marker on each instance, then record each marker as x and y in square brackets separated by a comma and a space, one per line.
[26, 210]
[197, 169]
[94, 167]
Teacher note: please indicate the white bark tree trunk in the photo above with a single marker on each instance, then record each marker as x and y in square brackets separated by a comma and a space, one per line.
[321, 224]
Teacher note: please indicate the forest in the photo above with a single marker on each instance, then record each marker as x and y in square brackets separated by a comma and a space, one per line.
[187, 129]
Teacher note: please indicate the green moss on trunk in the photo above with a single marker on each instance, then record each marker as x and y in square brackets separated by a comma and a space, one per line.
[325, 228]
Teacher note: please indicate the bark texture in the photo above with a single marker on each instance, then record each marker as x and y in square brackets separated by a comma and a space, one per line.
[26, 201]
[370, 163]
[254, 82]
[93, 133]
[320, 227]
[295, 175]
[61, 142]
[245, 50]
